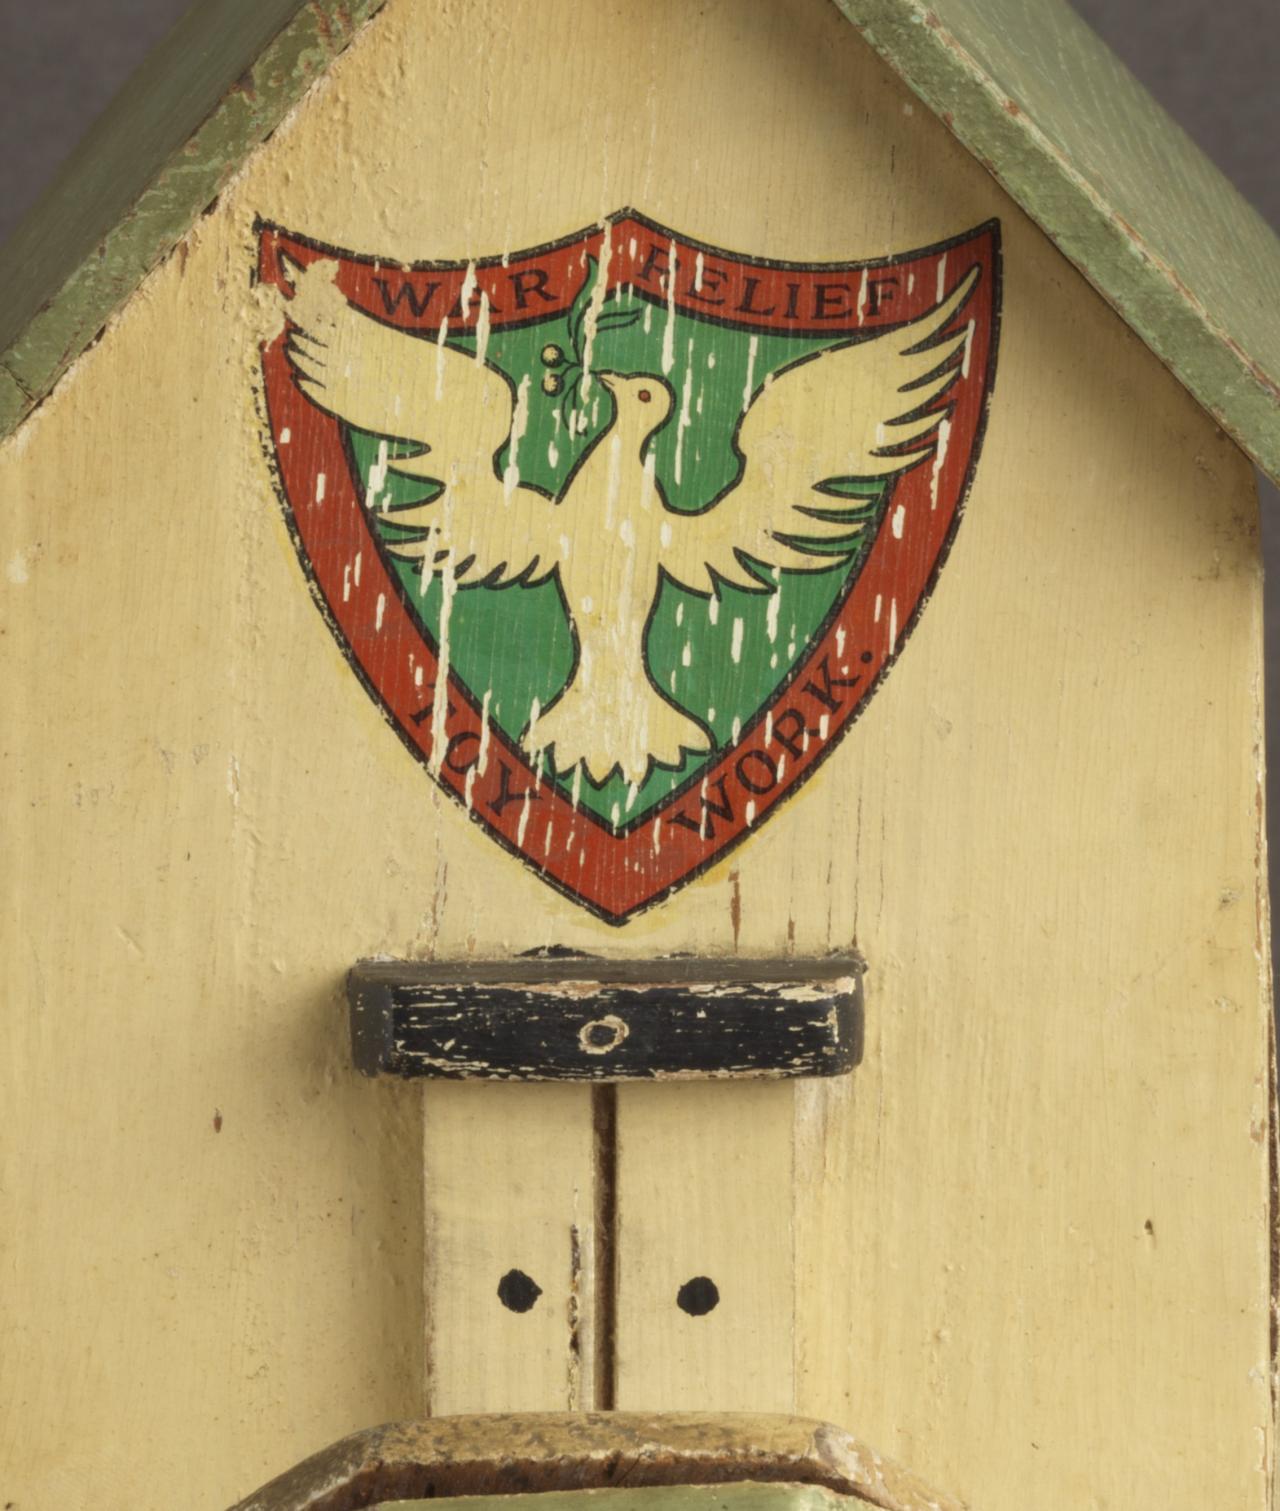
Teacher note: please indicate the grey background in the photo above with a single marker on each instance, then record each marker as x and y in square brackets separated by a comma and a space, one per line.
[1211, 63]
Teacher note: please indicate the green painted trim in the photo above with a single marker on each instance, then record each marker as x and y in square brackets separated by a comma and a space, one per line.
[216, 87]
[1113, 181]
[14, 402]
[736, 1496]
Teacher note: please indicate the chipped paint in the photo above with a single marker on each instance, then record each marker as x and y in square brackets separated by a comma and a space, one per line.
[605, 1021]
[221, 82]
[1112, 181]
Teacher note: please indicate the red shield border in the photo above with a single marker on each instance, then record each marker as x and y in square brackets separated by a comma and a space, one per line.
[618, 872]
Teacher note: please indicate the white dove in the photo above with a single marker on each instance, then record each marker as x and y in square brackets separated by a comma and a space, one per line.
[867, 408]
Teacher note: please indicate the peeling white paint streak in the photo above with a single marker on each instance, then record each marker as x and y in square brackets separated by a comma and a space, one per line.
[939, 460]
[669, 331]
[440, 693]
[482, 755]
[748, 388]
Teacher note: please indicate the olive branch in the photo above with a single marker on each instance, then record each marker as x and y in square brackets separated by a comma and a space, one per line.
[573, 373]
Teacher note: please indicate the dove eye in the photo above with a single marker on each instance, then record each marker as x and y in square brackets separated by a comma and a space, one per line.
[644, 396]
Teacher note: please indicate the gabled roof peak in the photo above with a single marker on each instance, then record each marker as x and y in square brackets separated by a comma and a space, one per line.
[1028, 88]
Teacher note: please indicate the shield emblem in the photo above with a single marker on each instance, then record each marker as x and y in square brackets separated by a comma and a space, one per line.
[623, 531]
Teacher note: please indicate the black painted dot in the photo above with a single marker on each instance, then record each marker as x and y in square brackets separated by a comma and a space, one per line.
[517, 1291]
[601, 1034]
[866, 657]
[698, 1296]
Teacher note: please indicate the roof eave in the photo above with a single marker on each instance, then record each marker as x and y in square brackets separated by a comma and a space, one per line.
[1225, 350]
[212, 91]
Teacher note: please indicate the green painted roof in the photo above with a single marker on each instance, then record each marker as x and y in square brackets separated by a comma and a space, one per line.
[217, 86]
[1115, 183]
[1024, 84]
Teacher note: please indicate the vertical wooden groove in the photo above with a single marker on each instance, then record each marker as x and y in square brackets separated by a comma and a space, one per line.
[604, 1116]
[1273, 1210]
[428, 1375]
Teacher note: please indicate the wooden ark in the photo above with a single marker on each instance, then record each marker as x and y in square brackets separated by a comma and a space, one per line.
[728, 502]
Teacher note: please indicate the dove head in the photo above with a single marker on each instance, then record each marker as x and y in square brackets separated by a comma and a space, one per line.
[644, 402]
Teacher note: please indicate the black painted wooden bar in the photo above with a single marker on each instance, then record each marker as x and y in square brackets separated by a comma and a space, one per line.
[584, 1019]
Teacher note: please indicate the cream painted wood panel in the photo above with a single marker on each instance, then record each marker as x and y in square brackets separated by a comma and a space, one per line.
[1030, 1236]
[509, 1186]
[705, 1191]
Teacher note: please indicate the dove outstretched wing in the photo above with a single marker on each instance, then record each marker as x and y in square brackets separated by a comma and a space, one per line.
[455, 413]
[865, 410]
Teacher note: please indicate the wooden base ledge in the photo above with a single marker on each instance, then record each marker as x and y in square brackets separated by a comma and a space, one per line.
[556, 1451]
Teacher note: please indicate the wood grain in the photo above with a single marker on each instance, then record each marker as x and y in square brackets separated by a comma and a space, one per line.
[1030, 1248]
[1031, 90]
[583, 1021]
[705, 1190]
[1116, 183]
[509, 1187]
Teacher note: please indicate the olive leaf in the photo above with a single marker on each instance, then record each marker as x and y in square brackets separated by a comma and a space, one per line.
[576, 321]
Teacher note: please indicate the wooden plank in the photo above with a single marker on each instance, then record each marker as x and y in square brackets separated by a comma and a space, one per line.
[706, 1283]
[510, 1246]
[588, 1020]
[1042, 833]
